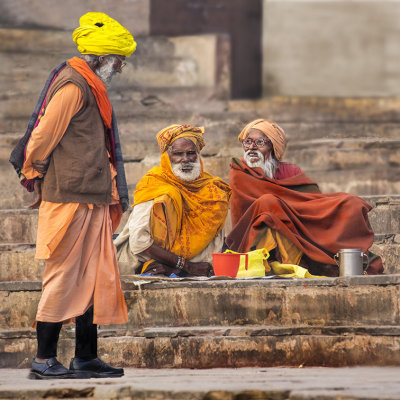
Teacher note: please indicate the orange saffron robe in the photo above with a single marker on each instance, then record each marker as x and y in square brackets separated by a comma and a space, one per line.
[75, 239]
[186, 216]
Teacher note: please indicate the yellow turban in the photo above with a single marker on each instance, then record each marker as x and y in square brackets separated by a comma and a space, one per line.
[169, 134]
[272, 131]
[99, 34]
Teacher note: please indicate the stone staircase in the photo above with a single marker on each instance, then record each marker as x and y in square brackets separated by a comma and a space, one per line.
[230, 324]
[345, 144]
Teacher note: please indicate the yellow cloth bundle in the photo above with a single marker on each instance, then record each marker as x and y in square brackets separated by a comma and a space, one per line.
[100, 34]
[291, 271]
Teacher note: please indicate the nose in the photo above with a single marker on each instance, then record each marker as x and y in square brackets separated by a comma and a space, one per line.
[185, 158]
[253, 145]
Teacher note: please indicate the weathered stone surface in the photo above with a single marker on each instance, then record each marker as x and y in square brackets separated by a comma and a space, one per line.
[339, 154]
[18, 226]
[324, 109]
[213, 349]
[160, 63]
[135, 15]
[385, 215]
[388, 248]
[361, 182]
[18, 263]
[18, 308]
[343, 301]
[328, 49]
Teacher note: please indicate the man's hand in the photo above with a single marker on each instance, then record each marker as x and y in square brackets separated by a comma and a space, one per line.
[198, 268]
[156, 268]
[41, 166]
[38, 191]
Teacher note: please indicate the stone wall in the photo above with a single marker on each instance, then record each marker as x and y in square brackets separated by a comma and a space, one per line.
[331, 48]
[64, 15]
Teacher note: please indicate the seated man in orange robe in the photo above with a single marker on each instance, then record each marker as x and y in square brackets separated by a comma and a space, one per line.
[179, 211]
[276, 206]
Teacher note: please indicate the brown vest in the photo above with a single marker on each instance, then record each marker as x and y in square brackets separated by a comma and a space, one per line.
[79, 170]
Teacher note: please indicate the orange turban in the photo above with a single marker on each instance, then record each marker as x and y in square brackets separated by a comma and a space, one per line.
[169, 134]
[272, 131]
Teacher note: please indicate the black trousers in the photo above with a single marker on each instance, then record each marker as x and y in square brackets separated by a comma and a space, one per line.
[85, 337]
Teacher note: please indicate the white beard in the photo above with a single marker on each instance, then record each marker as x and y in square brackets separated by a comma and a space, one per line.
[106, 71]
[268, 166]
[184, 175]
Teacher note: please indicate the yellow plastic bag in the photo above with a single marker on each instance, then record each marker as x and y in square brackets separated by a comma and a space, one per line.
[251, 263]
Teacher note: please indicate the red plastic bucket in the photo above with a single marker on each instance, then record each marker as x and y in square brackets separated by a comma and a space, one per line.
[227, 264]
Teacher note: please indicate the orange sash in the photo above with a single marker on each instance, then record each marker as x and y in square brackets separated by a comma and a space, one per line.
[98, 88]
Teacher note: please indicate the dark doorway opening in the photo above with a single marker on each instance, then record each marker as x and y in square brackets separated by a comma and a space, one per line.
[240, 19]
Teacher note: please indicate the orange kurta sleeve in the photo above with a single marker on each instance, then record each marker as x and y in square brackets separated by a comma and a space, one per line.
[63, 106]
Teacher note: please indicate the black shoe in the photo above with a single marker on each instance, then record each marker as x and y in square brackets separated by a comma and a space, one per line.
[51, 369]
[93, 369]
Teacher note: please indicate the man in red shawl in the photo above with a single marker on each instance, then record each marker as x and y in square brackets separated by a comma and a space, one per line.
[276, 206]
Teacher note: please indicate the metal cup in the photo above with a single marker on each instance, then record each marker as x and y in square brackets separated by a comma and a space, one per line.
[350, 262]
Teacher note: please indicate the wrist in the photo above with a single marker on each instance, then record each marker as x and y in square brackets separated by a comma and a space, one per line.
[180, 264]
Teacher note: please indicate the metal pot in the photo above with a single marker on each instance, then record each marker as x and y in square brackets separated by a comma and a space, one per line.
[350, 262]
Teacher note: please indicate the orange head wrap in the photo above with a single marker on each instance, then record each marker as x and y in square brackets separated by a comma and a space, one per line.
[169, 134]
[272, 131]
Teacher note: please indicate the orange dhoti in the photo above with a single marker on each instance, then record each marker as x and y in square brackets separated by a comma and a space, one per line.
[81, 265]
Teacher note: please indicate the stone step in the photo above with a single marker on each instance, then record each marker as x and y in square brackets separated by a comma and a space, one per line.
[361, 182]
[18, 226]
[222, 347]
[168, 67]
[183, 101]
[154, 303]
[18, 261]
[335, 169]
[222, 128]
[159, 61]
[329, 110]
[138, 131]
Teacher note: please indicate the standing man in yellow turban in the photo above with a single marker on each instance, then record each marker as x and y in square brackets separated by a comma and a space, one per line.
[179, 211]
[72, 157]
[277, 207]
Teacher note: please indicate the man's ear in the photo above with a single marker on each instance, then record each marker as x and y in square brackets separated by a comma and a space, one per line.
[100, 61]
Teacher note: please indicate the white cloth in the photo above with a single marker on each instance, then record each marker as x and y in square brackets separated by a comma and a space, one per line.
[135, 238]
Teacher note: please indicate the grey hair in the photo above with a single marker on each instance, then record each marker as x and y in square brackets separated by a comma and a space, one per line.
[90, 58]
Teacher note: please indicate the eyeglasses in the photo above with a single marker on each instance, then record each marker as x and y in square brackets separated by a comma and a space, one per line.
[258, 142]
[122, 61]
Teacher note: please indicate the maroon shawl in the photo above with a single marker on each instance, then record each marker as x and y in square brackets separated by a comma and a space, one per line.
[318, 224]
